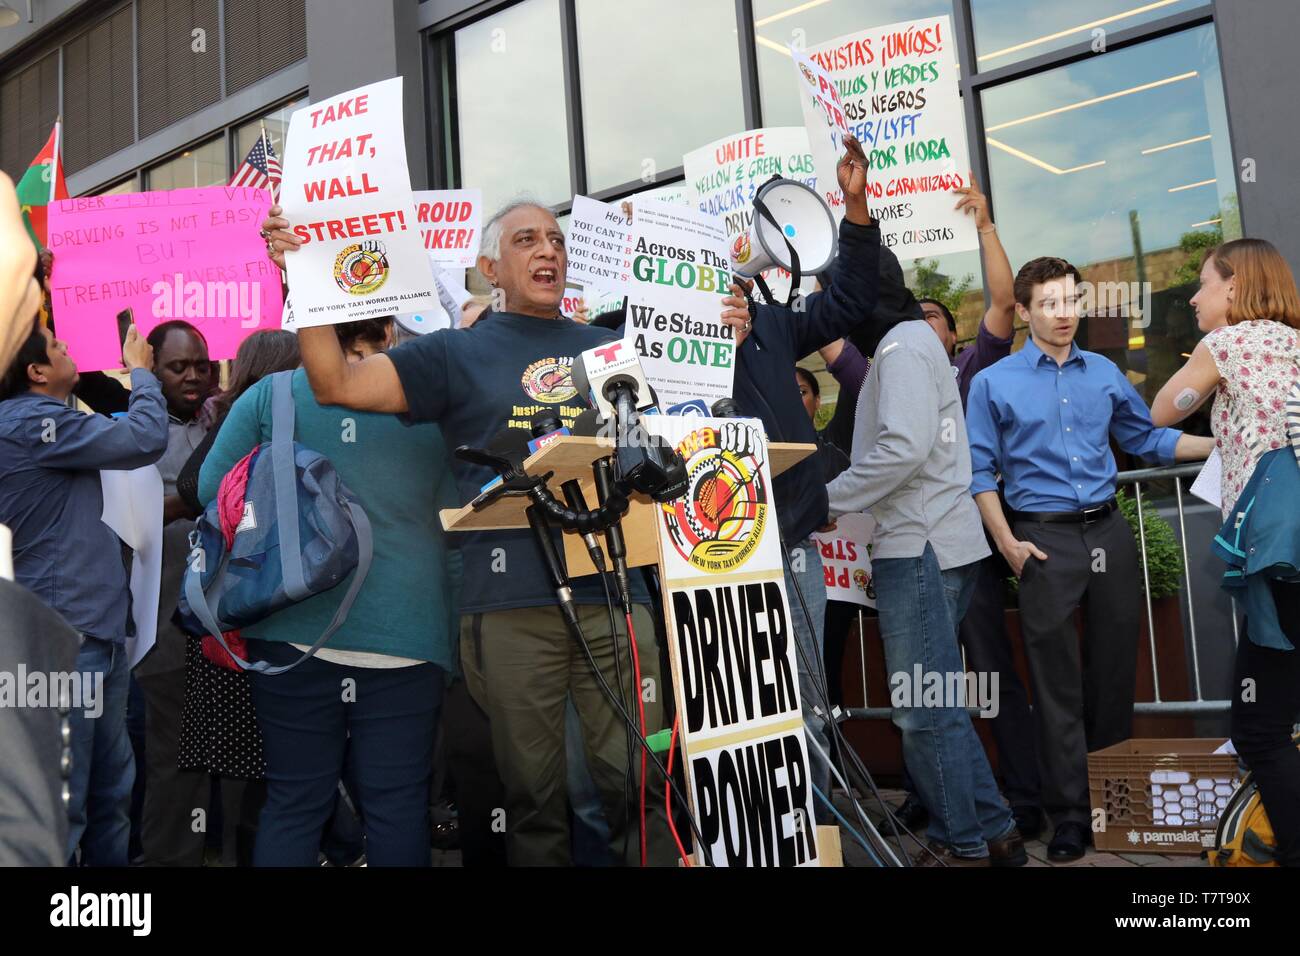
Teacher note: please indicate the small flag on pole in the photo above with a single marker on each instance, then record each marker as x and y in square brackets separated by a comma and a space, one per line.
[41, 185]
[260, 168]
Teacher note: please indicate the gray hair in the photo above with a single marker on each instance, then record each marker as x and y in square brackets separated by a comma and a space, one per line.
[491, 245]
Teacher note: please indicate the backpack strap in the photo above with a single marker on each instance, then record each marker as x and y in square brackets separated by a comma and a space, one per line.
[286, 485]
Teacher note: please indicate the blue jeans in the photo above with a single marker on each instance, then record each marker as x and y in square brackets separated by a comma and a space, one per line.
[103, 769]
[591, 833]
[384, 729]
[920, 607]
[812, 694]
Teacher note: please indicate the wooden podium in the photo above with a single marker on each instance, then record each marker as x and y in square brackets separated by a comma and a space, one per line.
[571, 456]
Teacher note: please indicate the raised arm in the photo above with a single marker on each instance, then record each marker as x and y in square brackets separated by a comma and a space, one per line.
[370, 385]
[999, 318]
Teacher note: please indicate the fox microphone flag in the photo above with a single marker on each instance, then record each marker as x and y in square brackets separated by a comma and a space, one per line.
[41, 185]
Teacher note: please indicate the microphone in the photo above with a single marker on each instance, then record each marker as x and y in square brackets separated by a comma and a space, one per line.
[578, 502]
[554, 569]
[614, 541]
[726, 408]
[547, 427]
[608, 371]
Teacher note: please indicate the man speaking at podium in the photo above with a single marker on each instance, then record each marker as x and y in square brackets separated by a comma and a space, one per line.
[519, 661]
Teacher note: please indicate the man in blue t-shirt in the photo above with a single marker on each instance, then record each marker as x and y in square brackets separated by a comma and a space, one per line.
[519, 661]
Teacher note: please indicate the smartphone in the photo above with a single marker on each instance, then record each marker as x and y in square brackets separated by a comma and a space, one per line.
[125, 319]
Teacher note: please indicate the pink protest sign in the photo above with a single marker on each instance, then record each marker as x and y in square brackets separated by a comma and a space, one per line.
[192, 254]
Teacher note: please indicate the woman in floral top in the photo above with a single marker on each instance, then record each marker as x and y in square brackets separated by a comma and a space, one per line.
[1249, 361]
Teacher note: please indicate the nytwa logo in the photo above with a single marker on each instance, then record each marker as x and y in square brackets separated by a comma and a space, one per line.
[74, 909]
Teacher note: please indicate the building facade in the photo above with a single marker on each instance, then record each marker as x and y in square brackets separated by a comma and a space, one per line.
[1124, 135]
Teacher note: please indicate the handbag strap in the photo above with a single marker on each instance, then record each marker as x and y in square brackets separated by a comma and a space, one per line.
[206, 613]
[286, 486]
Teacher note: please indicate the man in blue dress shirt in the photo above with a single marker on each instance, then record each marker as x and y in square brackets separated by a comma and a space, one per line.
[51, 498]
[1042, 419]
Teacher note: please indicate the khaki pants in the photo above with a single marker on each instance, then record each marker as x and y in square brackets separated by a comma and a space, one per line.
[520, 667]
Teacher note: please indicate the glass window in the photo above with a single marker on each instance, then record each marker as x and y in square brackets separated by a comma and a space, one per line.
[778, 23]
[510, 105]
[652, 90]
[125, 186]
[203, 165]
[1007, 31]
[1120, 164]
[277, 123]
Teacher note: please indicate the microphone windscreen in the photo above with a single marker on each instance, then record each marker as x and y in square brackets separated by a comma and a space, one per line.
[726, 408]
[511, 444]
[587, 424]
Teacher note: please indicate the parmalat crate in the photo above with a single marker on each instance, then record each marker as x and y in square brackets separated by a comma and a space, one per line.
[1160, 796]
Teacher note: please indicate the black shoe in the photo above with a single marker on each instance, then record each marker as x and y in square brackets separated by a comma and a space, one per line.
[912, 814]
[1068, 843]
[1029, 821]
[1009, 851]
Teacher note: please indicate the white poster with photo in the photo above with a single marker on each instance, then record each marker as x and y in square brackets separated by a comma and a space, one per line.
[347, 192]
[825, 122]
[678, 274]
[897, 88]
[724, 176]
[846, 559]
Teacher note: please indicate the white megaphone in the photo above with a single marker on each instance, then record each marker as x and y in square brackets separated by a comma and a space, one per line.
[787, 214]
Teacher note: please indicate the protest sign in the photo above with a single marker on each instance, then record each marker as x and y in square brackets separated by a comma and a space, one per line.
[347, 191]
[678, 273]
[826, 123]
[732, 648]
[724, 176]
[597, 246]
[191, 254]
[846, 559]
[450, 225]
[897, 87]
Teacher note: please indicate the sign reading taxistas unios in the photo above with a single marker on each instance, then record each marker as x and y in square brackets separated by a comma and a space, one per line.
[347, 192]
[725, 175]
[678, 274]
[732, 648]
[897, 87]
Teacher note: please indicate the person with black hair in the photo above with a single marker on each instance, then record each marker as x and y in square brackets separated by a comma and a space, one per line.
[52, 500]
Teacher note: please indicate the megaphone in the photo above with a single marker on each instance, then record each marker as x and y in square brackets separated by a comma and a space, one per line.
[791, 222]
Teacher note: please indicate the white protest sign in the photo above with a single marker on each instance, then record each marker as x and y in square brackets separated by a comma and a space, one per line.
[679, 274]
[732, 648]
[824, 119]
[846, 559]
[679, 194]
[597, 246]
[897, 85]
[725, 175]
[450, 225]
[347, 192]
[133, 509]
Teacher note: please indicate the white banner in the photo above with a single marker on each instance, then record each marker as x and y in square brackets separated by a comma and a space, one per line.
[347, 192]
[846, 559]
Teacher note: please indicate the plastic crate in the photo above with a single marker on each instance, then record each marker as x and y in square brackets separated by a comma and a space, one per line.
[1160, 796]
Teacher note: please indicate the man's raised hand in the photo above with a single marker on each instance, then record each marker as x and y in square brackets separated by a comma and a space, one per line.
[852, 174]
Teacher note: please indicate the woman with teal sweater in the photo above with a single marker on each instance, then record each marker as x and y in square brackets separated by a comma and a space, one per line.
[375, 689]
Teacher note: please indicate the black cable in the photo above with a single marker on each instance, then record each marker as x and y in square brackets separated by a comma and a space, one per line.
[618, 676]
[672, 784]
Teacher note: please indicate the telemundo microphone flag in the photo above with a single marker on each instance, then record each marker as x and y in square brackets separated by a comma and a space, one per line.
[41, 185]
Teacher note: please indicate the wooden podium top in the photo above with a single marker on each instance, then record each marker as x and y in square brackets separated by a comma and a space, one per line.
[571, 456]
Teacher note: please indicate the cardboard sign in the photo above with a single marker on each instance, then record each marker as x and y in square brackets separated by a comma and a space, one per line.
[450, 225]
[678, 274]
[732, 649]
[846, 559]
[725, 175]
[192, 254]
[347, 192]
[897, 87]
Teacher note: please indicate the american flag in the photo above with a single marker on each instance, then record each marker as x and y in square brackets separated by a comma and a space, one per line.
[260, 169]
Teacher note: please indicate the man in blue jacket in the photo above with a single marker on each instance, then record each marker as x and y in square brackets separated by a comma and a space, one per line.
[51, 498]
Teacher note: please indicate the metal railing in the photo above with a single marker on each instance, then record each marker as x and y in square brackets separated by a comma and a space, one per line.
[1198, 705]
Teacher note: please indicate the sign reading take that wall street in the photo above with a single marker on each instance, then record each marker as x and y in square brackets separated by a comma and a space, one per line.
[191, 254]
[897, 86]
[347, 192]
[732, 648]
[678, 274]
[725, 175]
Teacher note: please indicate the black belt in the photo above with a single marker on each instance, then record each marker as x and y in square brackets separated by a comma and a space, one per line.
[1086, 516]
